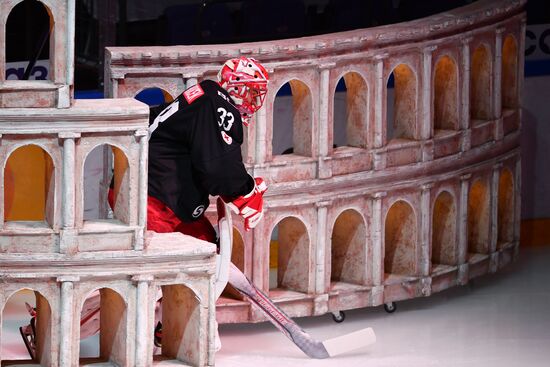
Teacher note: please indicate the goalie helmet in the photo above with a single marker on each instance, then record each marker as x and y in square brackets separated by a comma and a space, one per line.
[245, 79]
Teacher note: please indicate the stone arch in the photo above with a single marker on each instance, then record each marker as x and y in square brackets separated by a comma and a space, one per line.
[510, 72]
[181, 315]
[290, 255]
[109, 165]
[348, 244]
[445, 91]
[400, 240]
[153, 96]
[478, 218]
[402, 125]
[480, 84]
[107, 309]
[293, 134]
[444, 235]
[33, 40]
[350, 114]
[505, 207]
[29, 185]
[13, 312]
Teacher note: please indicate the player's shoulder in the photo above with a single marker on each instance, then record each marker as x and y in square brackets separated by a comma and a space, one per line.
[214, 91]
[204, 91]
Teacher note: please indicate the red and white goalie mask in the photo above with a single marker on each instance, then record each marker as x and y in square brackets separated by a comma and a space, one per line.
[245, 79]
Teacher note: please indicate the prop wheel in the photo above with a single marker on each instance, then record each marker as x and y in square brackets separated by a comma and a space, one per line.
[390, 307]
[339, 316]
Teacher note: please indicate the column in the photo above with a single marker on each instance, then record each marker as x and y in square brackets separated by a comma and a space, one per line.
[70, 42]
[463, 267]
[377, 239]
[68, 187]
[67, 320]
[377, 292]
[322, 246]
[324, 170]
[191, 81]
[425, 229]
[212, 323]
[493, 229]
[463, 219]
[465, 94]
[142, 136]
[497, 67]
[379, 95]
[261, 136]
[497, 85]
[324, 110]
[425, 130]
[143, 329]
[379, 130]
[68, 184]
[426, 123]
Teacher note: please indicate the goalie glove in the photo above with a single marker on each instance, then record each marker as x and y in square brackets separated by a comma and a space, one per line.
[250, 206]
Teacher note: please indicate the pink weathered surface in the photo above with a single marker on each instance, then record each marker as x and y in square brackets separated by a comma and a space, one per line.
[64, 258]
[406, 175]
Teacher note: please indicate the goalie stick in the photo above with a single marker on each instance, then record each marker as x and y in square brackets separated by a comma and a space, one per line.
[311, 347]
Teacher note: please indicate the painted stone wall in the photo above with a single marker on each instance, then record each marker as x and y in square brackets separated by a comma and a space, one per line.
[422, 195]
[57, 258]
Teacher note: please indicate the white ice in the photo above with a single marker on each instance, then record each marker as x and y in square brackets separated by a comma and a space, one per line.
[499, 320]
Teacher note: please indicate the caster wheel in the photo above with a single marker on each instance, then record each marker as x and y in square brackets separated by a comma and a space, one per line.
[338, 316]
[390, 307]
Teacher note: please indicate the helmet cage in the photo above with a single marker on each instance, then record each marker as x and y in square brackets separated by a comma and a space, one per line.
[246, 82]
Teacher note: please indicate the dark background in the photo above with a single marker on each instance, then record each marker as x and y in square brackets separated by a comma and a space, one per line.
[101, 23]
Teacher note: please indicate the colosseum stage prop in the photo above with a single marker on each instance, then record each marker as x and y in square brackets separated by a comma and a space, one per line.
[407, 186]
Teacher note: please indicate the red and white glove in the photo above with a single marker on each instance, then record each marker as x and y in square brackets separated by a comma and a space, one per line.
[250, 206]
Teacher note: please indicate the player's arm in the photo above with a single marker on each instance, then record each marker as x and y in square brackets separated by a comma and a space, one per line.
[218, 161]
[228, 178]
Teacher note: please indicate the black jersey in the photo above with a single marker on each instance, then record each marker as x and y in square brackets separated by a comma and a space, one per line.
[195, 150]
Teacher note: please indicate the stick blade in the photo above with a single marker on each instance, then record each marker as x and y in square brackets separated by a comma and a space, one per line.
[346, 343]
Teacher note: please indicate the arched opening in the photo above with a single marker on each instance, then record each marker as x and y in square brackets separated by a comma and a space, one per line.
[29, 187]
[154, 96]
[37, 330]
[444, 240]
[348, 256]
[478, 218]
[480, 84]
[292, 119]
[400, 240]
[28, 30]
[445, 95]
[103, 328]
[401, 119]
[509, 73]
[237, 258]
[350, 117]
[289, 257]
[106, 184]
[180, 316]
[505, 208]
